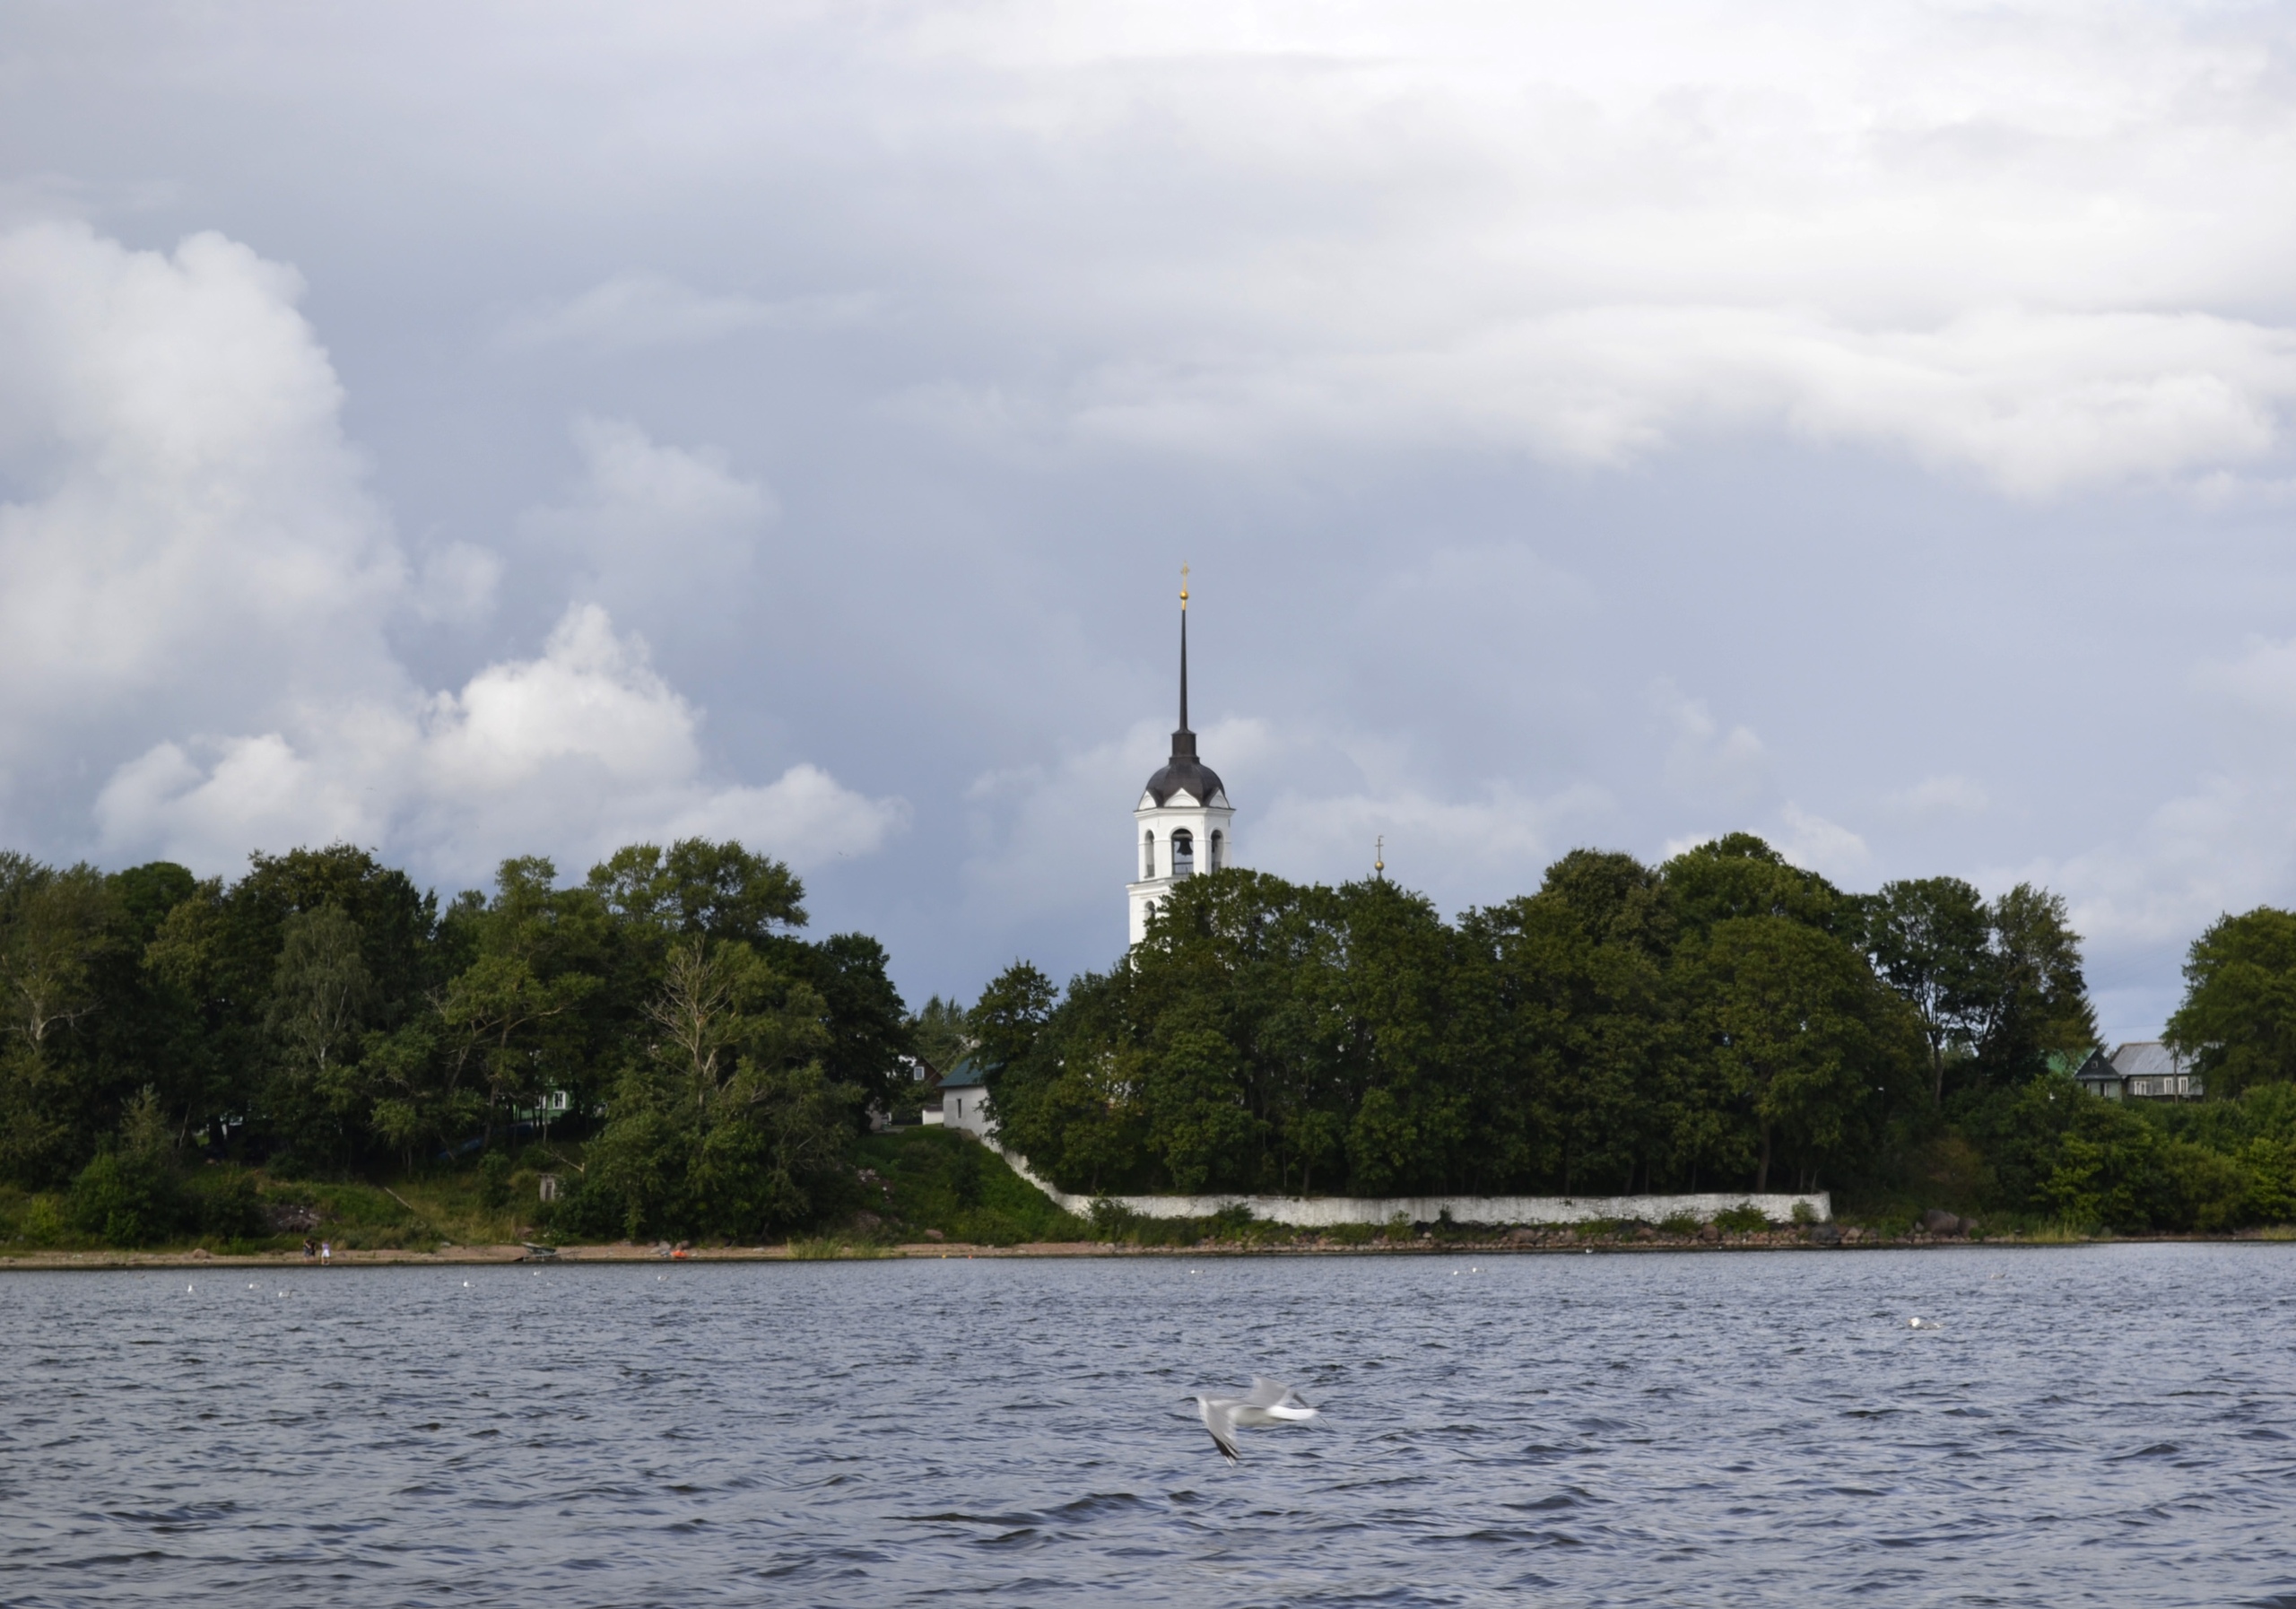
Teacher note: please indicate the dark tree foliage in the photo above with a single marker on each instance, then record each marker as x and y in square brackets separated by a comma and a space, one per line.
[321, 1013]
[938, 1034]
[1706, 1023]
[1997, 987]
[2237, 1020]
[869, 1027]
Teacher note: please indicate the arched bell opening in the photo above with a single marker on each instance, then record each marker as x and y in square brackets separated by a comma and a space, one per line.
[1183, 853]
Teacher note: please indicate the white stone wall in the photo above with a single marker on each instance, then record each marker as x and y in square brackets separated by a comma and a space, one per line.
[1329, 1211]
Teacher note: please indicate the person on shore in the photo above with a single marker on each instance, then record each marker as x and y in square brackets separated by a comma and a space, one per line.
[326, 1251]
[310, 1248]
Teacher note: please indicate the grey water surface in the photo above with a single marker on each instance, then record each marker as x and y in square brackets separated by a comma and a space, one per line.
[2105, 1425]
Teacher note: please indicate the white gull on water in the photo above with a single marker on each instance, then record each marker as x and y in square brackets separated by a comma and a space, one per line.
[1270, 1401]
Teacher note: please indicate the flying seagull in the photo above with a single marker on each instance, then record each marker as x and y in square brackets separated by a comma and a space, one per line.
[1270, 1401]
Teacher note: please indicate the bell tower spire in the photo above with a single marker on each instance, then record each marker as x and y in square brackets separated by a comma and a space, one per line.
[1182, 823]
[1183, 740]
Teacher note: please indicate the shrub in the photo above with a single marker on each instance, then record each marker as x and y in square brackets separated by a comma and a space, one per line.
[1804, 1213]
[1680, 1223]
[1112, 1220]
[494, 1180]
[127, 1199]
[224, 1205]
[1744, 1219]
[42, 1219]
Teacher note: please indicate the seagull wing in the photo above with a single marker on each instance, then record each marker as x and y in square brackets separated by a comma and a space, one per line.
[1271, 1401]
[1219, 1416]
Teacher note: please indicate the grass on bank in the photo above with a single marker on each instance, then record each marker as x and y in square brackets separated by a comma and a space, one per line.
[913, 1185]
[234, 1211]
[914, 1182]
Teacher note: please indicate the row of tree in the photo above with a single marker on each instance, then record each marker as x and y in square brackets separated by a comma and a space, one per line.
[1723, 1021]
[322, 1014]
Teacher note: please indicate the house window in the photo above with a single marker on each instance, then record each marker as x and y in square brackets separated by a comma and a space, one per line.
[1219, 857]
[1183, 853]
[1148, 856]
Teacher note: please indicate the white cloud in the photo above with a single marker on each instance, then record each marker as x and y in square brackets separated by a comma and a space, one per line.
[1704, 761]
[1935, 797]
[457, 584]
[664, 533]
[2036, 401]
[1818, 844]
[193, 600]
[2027, 242]
[637, 310]
[192, 531]
[1494, 844]
[2261, 680]
[579, 750]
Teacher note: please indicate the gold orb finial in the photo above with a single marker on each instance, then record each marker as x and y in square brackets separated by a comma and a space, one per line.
[1183, 587]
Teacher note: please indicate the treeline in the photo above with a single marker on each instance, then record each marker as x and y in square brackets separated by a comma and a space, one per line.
[694, 1065]
[322, 1015]
[1725, 1020]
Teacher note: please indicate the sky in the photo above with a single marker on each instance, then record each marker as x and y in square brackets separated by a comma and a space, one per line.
[477, 430]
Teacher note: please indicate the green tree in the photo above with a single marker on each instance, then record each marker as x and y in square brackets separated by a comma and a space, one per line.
[1802, 1034]
[1928, 941]
[321, 992]
[1198, 1124]
[509, 1024]
[51, 925]
[2040, 1004]
[722, 890]
[1590, 1036]
[130, 1194]
[937, 1029]
[2237, 1019]
[1738, 874]
[322, 997]
[863, 1017]
[730, 1127]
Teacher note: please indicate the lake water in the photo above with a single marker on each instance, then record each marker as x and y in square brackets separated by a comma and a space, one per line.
[2112, 1425]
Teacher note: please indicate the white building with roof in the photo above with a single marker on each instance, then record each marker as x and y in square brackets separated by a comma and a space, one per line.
[1182, 823]
[2141, 1070]
[964, 1100]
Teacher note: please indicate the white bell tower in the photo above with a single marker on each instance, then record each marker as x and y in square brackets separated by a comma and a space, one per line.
[1182, 823]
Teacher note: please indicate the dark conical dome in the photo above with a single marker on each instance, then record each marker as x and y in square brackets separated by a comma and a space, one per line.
[1183, 773]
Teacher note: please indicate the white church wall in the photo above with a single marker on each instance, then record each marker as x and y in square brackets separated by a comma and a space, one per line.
[1331, 1212]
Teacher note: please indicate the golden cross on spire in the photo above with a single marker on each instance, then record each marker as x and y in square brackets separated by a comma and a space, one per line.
[1183, 589]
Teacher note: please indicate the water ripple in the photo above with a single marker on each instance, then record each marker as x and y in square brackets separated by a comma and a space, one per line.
[2104, 1425]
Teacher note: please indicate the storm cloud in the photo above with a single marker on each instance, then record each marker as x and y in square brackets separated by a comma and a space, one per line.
[473, 430]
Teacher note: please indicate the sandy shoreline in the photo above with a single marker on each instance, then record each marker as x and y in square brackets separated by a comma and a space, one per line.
[566, 1256]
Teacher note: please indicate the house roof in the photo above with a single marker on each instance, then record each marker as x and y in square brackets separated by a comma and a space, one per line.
[964, 1075]
[2145, 1058]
